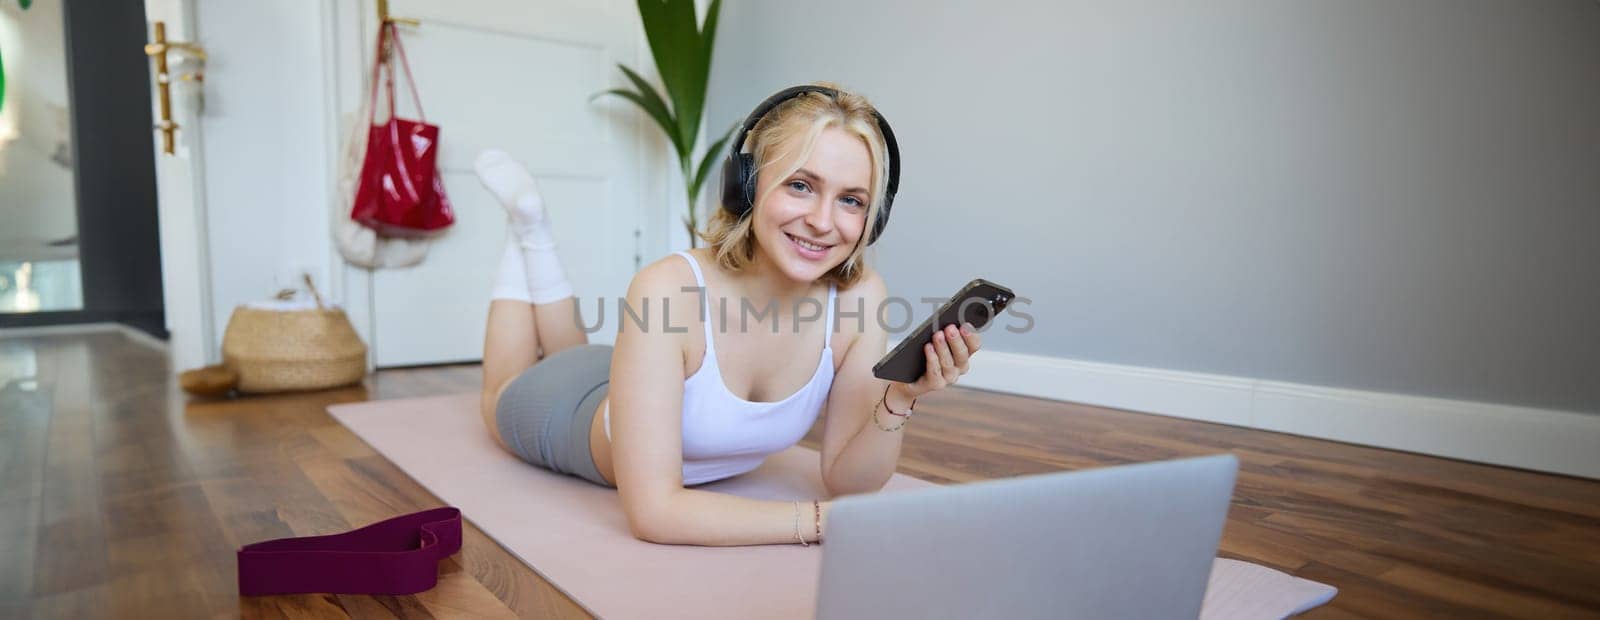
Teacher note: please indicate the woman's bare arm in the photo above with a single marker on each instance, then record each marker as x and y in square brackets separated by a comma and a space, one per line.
[647, 431]
[715, 519]
[857, 456]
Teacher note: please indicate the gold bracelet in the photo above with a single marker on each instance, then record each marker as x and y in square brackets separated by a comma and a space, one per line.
[818, 508]
[910, 409]
[802, 540]
[875, 421]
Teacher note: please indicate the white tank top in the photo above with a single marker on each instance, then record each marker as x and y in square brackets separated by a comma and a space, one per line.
[724, 435]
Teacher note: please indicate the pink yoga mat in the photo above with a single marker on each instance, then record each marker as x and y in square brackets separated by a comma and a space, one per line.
[573, 532]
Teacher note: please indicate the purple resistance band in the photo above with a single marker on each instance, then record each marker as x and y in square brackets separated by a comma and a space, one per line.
[394, 556]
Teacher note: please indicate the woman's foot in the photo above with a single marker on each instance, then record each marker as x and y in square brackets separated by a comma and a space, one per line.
[518, 193]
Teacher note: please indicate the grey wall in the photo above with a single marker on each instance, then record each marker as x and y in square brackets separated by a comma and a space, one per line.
[1398, 196]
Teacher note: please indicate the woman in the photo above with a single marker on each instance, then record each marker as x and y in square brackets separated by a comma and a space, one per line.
[673, 407]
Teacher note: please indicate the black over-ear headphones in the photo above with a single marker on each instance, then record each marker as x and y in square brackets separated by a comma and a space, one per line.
[739, 170]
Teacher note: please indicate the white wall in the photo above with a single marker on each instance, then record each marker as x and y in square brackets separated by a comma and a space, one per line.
[281, 86]
[268, 169]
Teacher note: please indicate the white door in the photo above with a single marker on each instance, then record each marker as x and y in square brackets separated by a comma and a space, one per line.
[184, 278]
[516, 75]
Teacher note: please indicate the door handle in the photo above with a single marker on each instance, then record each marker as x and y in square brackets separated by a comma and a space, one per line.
[158, 51]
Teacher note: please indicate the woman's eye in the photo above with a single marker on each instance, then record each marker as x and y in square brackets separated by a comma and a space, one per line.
[851, 200]
[798, 186]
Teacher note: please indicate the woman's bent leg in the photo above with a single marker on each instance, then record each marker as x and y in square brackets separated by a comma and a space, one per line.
[560, 327]
[518, 335]
[510, 346]
[545, 413]
[533, 314]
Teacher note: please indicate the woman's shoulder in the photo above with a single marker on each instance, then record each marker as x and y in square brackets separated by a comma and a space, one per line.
[665, 275]
[866, 295]
[870, 286]
[655, 296]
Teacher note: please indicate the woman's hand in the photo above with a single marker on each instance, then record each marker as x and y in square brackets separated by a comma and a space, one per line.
[947, 358]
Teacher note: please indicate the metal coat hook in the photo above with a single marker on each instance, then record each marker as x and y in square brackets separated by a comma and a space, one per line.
[384, 16]
[384, 19]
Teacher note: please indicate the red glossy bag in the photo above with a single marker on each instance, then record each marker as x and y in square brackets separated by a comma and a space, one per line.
[400, 193]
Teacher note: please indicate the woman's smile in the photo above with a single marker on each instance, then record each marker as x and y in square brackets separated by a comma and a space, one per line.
[807, 249]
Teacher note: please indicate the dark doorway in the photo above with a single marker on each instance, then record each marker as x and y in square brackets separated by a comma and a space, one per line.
[112, 154]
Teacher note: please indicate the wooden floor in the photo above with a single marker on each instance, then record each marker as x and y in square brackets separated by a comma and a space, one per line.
[119, 497]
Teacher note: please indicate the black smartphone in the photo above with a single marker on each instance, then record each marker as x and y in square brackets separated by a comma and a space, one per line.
[979, 302]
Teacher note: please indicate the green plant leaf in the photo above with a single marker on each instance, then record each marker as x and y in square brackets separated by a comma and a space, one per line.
[709, 162]
[682, 52]
[682, 145]
[709, 36]
[677, 47]
[652, 108]
[702, 76]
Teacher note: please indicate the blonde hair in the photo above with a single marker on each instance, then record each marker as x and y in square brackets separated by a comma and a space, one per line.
[800, 120]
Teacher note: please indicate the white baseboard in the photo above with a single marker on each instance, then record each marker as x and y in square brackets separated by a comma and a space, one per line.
[87, 328]
[1539, 439]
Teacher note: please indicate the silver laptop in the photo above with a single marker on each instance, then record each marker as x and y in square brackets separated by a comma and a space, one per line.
[1135, 541]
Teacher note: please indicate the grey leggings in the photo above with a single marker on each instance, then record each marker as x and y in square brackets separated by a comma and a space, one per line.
[546, 413]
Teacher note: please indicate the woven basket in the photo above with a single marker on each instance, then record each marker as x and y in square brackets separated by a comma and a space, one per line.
[283, 347]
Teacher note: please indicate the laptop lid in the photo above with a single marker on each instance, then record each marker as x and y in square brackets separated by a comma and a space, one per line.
[1133, 541]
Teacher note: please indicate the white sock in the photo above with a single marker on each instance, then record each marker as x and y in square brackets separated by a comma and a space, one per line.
[530, 224]
[511, 281]
[547, 282]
